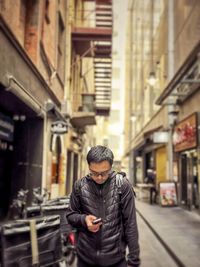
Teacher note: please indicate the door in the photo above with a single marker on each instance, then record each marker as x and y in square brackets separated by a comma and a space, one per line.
[5, 181]
[195, 185]
[184, 173]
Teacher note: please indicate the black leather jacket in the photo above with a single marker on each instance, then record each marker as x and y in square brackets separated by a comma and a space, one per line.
[119, 228]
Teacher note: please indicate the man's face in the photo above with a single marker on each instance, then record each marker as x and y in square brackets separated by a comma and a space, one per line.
[99, 172]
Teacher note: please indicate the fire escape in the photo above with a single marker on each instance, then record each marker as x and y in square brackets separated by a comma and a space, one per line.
[96, 42]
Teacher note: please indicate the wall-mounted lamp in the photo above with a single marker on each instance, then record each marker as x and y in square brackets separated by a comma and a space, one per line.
[173, 115]
[135, 115]
[17, 117]
[152, 75]
[152, 78]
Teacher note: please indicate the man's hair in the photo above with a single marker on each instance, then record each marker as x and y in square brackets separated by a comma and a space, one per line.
[100, 153]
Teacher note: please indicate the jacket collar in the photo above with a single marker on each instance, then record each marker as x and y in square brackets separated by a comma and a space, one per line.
[111, 175]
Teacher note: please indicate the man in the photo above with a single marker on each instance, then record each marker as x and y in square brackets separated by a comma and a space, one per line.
[150, 179]
[97, 196]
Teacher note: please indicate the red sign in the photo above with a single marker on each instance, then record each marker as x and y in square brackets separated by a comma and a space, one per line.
[185, 134]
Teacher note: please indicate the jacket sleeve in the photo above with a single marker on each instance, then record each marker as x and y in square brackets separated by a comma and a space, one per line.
[130, 223]
[73, 214]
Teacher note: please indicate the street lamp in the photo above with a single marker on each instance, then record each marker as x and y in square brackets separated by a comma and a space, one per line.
[135, 115]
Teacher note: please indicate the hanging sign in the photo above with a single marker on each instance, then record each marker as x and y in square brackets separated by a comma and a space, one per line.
[160, 137]
[59, 127]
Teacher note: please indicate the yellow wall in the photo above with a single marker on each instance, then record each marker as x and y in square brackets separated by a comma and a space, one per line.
[161, 164]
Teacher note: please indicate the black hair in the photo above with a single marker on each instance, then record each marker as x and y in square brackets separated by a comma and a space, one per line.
[100, 153]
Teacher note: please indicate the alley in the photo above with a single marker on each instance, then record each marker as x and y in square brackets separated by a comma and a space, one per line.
[121, 76]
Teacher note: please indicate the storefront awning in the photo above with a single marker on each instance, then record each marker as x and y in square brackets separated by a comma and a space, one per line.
[186, 80]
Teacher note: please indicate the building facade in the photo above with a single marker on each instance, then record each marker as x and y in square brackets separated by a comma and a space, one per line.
[53, 57]
[164, 41]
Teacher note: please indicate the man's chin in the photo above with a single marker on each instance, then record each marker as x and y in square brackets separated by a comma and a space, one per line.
[100, 182]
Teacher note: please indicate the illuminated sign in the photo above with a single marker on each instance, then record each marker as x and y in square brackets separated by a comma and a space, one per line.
[160, 137]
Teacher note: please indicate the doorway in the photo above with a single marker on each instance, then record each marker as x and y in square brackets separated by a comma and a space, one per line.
[195, 185]
[184, 174]
[5, 181]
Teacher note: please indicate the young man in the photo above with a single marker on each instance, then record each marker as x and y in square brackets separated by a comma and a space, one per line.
[97, 195]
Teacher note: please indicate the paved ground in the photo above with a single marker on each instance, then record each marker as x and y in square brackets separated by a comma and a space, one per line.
[153, 254]
[177, 229]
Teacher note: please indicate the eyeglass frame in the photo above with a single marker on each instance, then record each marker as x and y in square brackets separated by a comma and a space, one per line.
[103, 174]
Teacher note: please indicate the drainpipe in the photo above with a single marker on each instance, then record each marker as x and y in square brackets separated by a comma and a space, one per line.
[170, 76]
[131, 158]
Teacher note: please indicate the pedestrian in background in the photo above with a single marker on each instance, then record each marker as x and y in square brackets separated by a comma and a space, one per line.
[97, 196]
[151, 179]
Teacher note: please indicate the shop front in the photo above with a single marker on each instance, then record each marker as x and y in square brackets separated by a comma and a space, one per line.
[6, 155]
[23, 94]
[186, 146]
[21, 146]
[151, 154]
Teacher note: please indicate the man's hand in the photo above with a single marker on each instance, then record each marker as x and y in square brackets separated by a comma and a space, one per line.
[91, 227]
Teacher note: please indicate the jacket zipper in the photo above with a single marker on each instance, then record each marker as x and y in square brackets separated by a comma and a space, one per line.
[102, 212]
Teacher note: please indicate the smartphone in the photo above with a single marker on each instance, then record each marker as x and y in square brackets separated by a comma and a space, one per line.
[96, 221]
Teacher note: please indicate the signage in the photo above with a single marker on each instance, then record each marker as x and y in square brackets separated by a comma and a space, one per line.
[168, 196]
[185, 134]
[5, 146]
[59, 127]
[160, 137]
[6, 128]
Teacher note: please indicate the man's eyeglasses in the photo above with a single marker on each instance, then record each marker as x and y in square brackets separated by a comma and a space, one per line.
[97, 174]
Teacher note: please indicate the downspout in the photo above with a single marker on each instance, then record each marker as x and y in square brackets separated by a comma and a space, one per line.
[131, 158]
[170, 76]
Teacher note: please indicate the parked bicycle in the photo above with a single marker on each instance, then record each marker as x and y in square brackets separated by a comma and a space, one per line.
[17, 208]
